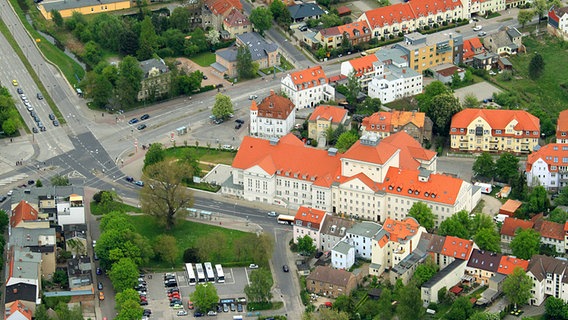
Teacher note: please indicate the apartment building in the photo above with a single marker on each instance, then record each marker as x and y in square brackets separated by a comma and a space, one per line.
[273, 117]
[550, 278]
[427, 51]
[156, 80]
[325, 117]
[480, 130]
[562, 127]
[355, 33]
[384, 124]
[364, 68]
[236, 23]
[307, 88]
[308, 222]
[398, 80]
[548, 167]
[333, 230]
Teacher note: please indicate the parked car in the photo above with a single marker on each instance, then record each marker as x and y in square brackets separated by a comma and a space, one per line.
[129, 179]
[177, 306]
[141, 127]
[238, 126]
[212, 313]
[15, 82]
[20, 91]
[272, 214]
[241, 121]
[477, 28]
[147, 312]
[144, 117]
[51, 116]
[253, 96]
[133, 121]
[285, 268]
[100, 286]
[225, 307]
[233, 307]
[253, 266]
[182, 313]
[99, 271]
[239, 307]
[139, 183]
[39, 96]
[143, 302]
[482, 34]
[101, 295]
[10, 193]
[3, 198]
[55, 123]
[197, 314]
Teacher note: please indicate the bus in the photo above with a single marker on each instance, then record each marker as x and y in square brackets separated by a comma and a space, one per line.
[220, 274]
[190, 274]
[209, 272]
[285, 219]
[200, 273]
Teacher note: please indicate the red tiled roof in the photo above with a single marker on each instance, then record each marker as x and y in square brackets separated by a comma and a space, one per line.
[400, 12]
[554, 154]
[449, 71]
[222, 7]
[364, 64]
[562, 124]
[498, 120]
[392, 119]
[23, 212]
[508, 264]
[456, 290]
[343, 10]
[236, 18]
[354, 29]
[309, 215]
[275, 106]
[457, 248]
[19, 306]
[401, 230]
[510, 226]
[335, 114]
[308, 78]
[549, 229]
[510, 207]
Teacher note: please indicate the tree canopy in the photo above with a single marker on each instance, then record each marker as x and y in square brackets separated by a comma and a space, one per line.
[484, 165]
[442, 109]
[306, 245]
[123, 274]
[245, 65]
[526, 243]
[425, 271]
[261, 18]
[223, 106]
[507, 167]
[205, 296]
[536, 66]
[423, 214]
[517, 287]
[260, 287]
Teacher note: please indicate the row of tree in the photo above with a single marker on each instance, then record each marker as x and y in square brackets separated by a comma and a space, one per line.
[9, 116]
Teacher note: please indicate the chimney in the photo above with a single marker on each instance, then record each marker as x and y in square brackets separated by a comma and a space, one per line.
[271, 92]
[15, 290]
[403, 71]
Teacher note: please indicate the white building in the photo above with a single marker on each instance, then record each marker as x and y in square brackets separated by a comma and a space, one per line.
[70, 210]
[308, 87]
[333, 230]
[548, 167]
[308, 222]
[558, 22]
[273, 117]
[361, 236]
[550, 277]
[342, 256]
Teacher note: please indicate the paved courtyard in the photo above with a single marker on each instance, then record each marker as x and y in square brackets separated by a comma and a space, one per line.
[482, 90]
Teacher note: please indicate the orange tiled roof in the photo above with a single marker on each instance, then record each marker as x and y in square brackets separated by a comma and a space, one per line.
[389, 15]
[275, 106]
[457, 247]
[401, 230]
[364, 64]
[236, 18]
[222, 7]
[549, 229]
[510, 226]
[475, 43]
[310, 215]
[253, 105]
[549, 153]
[498, 120]
[566, 226]
[23, 212]
[335, 114]
[392, 119]
[562, 124]
[18, 306]
[308, 78]
[432, 7]
[510, 206]
[354, 29]
[508, 264]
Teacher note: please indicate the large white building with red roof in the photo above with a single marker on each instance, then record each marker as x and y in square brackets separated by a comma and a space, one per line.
[273, 117]
[308, 222]
[307, 88]
[548, 167]
[480, 130]
[374, 180]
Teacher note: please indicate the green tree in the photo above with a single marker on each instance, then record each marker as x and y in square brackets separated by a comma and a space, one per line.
[148, 41]
[245, 68]
[179, 19]
[127, 294]
[484, 165]
[536, 66]
[260, 287]
[519, 188]
[115, 220]
[280, 12]
[385, 310]
[223, 106]
[129, 310]
[517, 287]
[41, 313]
[58, 180]
[166, 248]
[425, 271]
[129, 81]
[261, 18]
[558, 215]
[409, 305]
[540, 8]
[430, 91]
[205, 296]
[526, 243]
[456, 80]
[369, 106]
[330, 20]
[470, 101]
[10, 126]
[4, 220]
[99, 89]
[344, 303]
[444, 106]
[346, 140]
[423, 214]
[155, 154]
[525, 16]
[57, 18]
[555, 308]
[306, 245]
[507, 167]
[213, 37]
[164, 194]
[353, 88]
[461, 309]
[453, 227]
[488, 239]
[562, 199]
[538, 200]
[123, 274]
[484, 316]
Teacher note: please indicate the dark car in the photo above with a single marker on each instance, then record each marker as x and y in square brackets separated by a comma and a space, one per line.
[56, 123]
[141, 127]
[99, 271]
[33, 113]
[204, 77]
[129, 179]
[147, 312]
[100, 286]
[20, 91]
[144, 117]
[39, 96]
[239, 307]
[34, 130]
[3, 198]
[238, 126]
[51, 116]
[143, 302]
[197, 314]
[285, 268]
[133, 121]
[30, 182]
[241, 121]
[43, 129]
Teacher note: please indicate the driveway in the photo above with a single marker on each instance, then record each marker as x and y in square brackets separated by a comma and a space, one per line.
[481, 91]
[212, 78]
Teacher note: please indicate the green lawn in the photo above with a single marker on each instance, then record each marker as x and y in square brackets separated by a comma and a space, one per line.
[116, 206]
[551, 90]
[186, 234]
[204, 154]
[204, 59]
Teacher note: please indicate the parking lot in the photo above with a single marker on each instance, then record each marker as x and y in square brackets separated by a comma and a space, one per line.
[235, 281]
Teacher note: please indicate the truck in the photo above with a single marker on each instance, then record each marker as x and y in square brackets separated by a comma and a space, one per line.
[485, 187]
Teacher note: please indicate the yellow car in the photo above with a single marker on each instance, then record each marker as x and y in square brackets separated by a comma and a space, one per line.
[101, 295]
[15, 82]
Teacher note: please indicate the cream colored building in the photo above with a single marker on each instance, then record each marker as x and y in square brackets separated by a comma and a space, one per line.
[480, 130]
[66, 8]
[325, 117]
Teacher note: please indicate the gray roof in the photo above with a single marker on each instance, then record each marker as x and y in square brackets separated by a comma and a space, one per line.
[148, 65]
[259, 48]
[505, 61]
[32, 195]
[397, 55]
[342, 247]
[502, 39]
[229, 54]
[21, 291]
[513, 32]
[79, 272]
[219, 67]
[305, 10]
[26, 264]
[484, 260]
[33, 239]
[540, 265]
[338, 222]
[443, 273]
[486, 55]
[417, 40]
[435, 243]
[63, 4]
[365, 229]
[417, 256]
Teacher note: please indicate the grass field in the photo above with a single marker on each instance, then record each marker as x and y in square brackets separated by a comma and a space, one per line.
[204, 59]
[186, 234]
[116, 206]
[204, 154]
[551, 90]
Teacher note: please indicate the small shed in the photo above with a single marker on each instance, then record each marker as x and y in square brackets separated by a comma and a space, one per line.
[510, 207]
[343, 11]
[374, 293]
[504, 64]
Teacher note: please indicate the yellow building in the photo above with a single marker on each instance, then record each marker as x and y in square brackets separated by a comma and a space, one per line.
[325, 117]
[66, 8]
[427, 51]
[479, 130]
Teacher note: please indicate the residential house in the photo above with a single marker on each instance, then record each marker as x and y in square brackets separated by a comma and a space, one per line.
[445, 278]
[40, 241]
[156, 79]
[326, 118]
[307, 88]
[264, 53]
[75, 239]
[506, 41]
[361, 236]
[485, 60]
[562, 127]
[405, 269]
[503, 64]
[80, 273]
[308, 222]
[18, 311]
[273, 118]
[394, 79]
[25, 294]
[550, 278]
[558, 22]
[548, 166]
[471, 48]
[510, 207]
[355, 33]
[215, 12]
[333, 230]
[48, 205]
[70, 210]
[551, 233]
[445, 73]
[342, 256]
[484, 130]
[329, 282]
[483, 265]
[427, 51]
[302, 11]
[364, 68]
[25, 215]
[236, 23]
[509, 229]
[66, 8]
[383, 123]
[452, 249]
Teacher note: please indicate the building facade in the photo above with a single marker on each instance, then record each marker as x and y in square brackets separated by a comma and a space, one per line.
[558, 22]
[66, 8]
[355, 33]
[562, 127]
[273, 118]
[548, 167]
[383, 123]
[425, 52]
[325, 117]
[308, 222]
[329, 282]
[307, 88]
[333, 230]
[156, 80]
